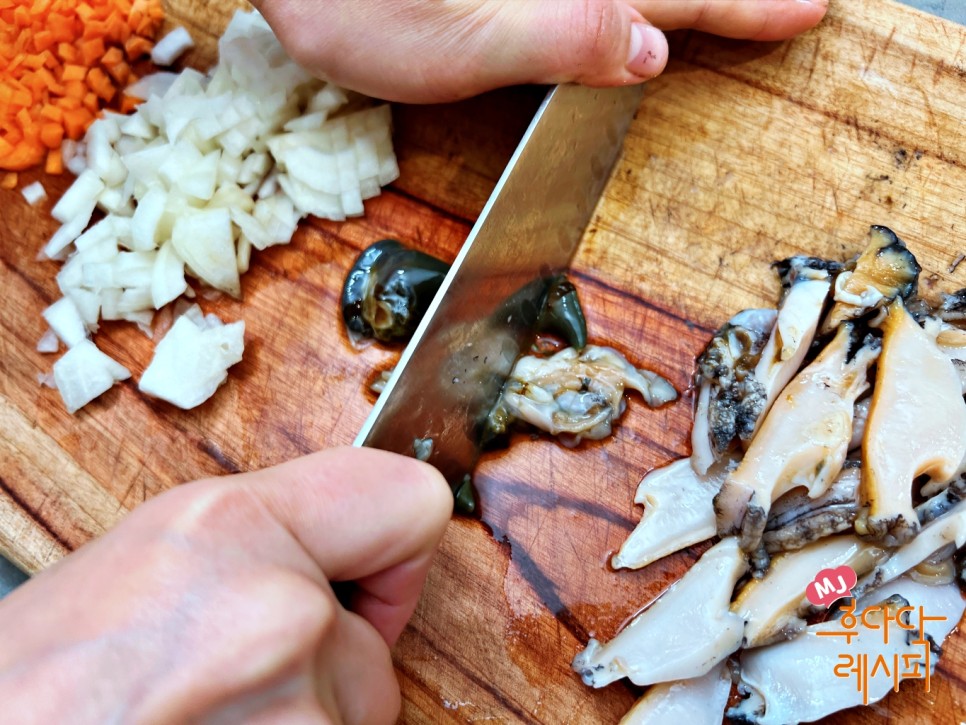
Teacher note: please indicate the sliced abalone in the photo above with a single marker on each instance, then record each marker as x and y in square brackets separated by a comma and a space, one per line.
[803, 441]
[729, 399]
[916, 427]
[808, 677]
[698, 701]
[774, 607]
[686, 632]
[806, 282]
[796, 519]
[578, 394]
[678, 512]
[885, 270]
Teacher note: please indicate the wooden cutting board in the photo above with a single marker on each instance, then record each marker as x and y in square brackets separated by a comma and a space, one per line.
[741, 154]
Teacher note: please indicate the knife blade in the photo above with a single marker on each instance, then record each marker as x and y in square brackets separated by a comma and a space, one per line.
[452, 371]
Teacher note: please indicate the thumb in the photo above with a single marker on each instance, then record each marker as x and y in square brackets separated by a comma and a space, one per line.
[442, 51]
[594, 42]
[362, 515]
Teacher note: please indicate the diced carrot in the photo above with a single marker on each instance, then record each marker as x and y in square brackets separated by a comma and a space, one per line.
[76, 122]
[73, 73]
[52, 135]
[85, 12]
[67, 52]
[112, 57]
[33, 62]
[63, 61]
[15, 62]
[50, 60]
[23, 156]
[50, 82]
[55, 162]
[35, 83]
[120, 72]
[98, 82]
[91, 103]
[145, 26]
[75, 89]
[67, 103]
[21, 98]
[61, 26]
[129, 103]
[21, 17]
[92, 51]
[95, 29]
[52, 113]
[136, 46]
[9, 181]
[118, 29]
[23, 118]
[43, 39]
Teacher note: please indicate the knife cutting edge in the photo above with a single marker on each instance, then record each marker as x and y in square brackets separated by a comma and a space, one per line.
[452, 371]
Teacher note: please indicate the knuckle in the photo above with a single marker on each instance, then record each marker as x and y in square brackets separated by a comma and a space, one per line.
[598, 34]
[210, 508]
[311, 610]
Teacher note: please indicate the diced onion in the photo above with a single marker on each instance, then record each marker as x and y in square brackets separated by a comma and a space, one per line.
[83, 373]
[48, 342]
[207, 168]
[167, 50]
[66, 321]
[34, 193]
[192, 359]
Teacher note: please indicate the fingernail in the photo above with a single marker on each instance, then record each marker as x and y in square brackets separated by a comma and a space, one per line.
[647, 54]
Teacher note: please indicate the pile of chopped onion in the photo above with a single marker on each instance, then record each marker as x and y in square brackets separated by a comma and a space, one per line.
[208, 167]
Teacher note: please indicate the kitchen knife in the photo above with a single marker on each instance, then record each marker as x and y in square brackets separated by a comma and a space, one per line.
[451, 372]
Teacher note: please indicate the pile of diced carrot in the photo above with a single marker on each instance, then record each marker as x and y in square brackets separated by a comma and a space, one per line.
[61, 62]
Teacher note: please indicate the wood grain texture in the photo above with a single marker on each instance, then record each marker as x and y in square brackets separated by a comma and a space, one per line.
[741, 154]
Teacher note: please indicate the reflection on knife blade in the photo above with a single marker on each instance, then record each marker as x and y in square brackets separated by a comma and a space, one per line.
[451, 373]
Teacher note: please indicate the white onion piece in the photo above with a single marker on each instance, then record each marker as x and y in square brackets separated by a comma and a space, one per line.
[66, 321]
[114, 200]
[69, 231]
[68, 149]
[83, 373]
[328, 98]
[81, 195]
[136, 299]
[76, 165]
[244, 254]
[254, 167]
[137, 126]
[204, 240]
[34, 193]
[88, 305]
[109, 299]
[48, 342]
[198, 180]
[156, 84]
[167, 277]
[192, 360]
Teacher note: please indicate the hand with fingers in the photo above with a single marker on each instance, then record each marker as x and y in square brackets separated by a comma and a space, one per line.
[213, 601]
[426, 52]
